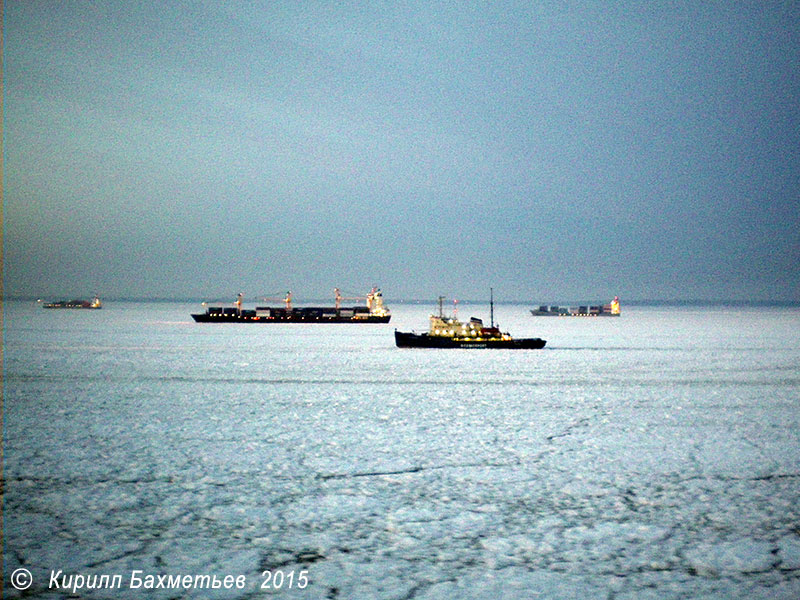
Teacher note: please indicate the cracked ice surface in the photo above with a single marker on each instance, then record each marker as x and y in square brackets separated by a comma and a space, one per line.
[651, 456]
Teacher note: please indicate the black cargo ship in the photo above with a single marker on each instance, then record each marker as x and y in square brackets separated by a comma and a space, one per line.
[587, 310]
[449, 332]
[373, 312]
[92, 304]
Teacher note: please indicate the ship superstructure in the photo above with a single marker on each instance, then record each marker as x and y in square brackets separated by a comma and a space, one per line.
[373, 312]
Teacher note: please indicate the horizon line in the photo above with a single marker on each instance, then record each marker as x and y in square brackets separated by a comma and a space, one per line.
[634, 302]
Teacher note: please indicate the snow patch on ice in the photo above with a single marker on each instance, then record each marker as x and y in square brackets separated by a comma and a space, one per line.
[513, 582]
[789, 553]
[741, 556]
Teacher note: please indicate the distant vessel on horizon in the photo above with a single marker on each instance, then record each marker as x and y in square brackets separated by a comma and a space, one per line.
[373, 312]
[94, 303]
[611, 309]
[449, 332]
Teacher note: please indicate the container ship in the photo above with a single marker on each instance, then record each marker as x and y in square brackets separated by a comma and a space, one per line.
[373, 312]
[449, 332]
[587, 310]
[94, 303]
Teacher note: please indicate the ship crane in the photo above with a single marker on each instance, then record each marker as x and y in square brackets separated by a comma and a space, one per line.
[237, 303]
[287, 299]
[338, 295]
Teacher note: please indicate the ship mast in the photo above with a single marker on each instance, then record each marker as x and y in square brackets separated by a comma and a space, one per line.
[491, 306]
[441, 311]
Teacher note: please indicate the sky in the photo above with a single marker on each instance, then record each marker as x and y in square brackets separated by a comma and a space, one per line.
[551, 150]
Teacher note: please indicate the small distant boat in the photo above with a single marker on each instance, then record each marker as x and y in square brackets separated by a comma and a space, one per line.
[94, 303]
[373, 312]
[586, 310]
[449, 332]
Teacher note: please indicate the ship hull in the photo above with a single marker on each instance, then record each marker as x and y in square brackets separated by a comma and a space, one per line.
[245, 317]
[540, 313]
[423, 340]
[72, 307]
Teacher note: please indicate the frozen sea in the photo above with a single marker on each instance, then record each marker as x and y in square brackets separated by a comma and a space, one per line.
[652, 456]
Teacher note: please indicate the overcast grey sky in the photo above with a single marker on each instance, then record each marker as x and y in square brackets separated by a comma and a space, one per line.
[552, 150]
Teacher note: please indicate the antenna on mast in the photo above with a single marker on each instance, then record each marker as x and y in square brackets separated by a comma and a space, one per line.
[491, 306]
